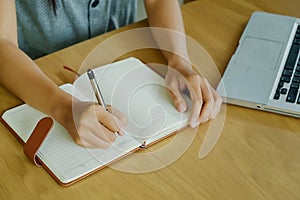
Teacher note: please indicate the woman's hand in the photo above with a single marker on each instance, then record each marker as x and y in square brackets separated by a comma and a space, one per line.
[206, 101]
[91, 125]
[180, 76]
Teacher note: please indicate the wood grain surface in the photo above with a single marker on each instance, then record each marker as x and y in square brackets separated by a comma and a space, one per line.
[256, 157]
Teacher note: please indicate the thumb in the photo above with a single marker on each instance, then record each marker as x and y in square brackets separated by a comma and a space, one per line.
[176, 95]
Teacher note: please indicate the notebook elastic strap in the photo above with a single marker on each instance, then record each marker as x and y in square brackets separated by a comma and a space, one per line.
[36, 139]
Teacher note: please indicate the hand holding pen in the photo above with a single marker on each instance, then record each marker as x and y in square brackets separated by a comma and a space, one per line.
[89, 124]
[101, 102]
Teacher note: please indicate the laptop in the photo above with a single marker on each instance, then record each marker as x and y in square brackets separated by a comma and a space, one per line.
[264, 71]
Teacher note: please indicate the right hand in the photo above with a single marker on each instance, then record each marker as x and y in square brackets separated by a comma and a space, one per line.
[206, 101]
[91, 126]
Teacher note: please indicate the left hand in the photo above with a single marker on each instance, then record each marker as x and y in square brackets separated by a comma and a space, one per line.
[206, 101]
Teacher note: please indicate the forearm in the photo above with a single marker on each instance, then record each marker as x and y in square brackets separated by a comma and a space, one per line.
[8, 21]
[88, 124]
[20, 75]
[166, 14]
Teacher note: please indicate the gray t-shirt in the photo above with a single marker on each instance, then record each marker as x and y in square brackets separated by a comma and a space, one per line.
[41, 31]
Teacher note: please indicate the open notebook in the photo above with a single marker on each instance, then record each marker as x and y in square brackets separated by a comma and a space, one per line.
[128, 85]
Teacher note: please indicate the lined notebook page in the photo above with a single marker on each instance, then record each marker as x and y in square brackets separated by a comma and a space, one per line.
[129, 86]
[62, 156]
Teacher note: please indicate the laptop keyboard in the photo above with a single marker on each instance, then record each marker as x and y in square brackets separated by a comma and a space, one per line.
[288, 85]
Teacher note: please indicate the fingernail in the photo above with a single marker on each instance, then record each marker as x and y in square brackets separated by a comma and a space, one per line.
[194, 123]
[121, 132]
[182, 107]
[205, 119]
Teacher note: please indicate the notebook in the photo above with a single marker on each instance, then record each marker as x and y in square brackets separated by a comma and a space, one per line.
[264, 71]
[128, 85]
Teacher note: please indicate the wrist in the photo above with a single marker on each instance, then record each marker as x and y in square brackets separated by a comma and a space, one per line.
[180, 64]
[62, 111]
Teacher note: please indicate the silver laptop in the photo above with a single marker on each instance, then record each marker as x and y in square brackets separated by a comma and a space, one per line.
[264, 71]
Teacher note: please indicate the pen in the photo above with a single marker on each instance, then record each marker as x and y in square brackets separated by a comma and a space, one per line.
[96, 88]
[97, 92]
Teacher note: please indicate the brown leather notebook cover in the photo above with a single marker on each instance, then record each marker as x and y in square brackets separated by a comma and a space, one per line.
[40, 133]
[36, 139]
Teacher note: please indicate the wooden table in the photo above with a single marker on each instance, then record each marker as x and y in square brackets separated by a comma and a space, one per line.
[256, 157]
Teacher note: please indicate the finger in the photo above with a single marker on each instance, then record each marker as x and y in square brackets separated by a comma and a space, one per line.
[208, 102]
[182, 85]
[175, 94]
[108, 120]
[118, 114]
[218, 103]
[104, 134]
[120, 117]
[91, 141]
[197, 100]
[196, 108]
[98, 134]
